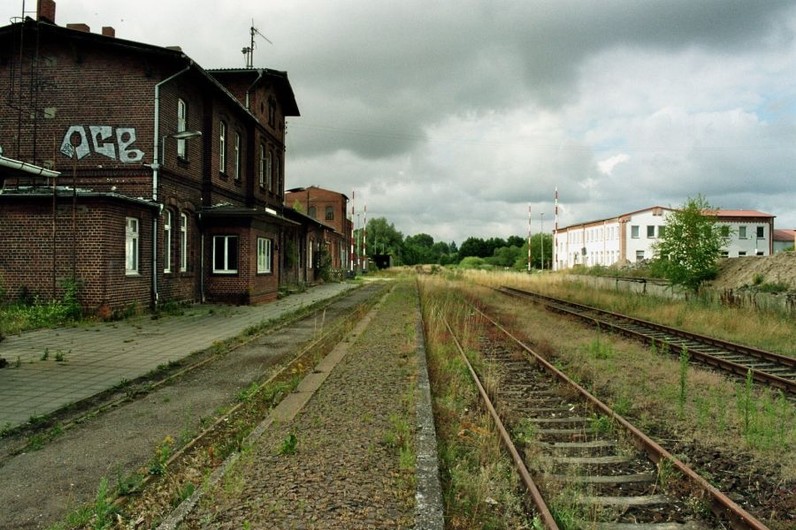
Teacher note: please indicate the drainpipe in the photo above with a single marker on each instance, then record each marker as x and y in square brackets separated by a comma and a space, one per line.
[155, 174]
[248, 90]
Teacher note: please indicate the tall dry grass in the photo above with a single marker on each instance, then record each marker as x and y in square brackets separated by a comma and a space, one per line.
[765, 330]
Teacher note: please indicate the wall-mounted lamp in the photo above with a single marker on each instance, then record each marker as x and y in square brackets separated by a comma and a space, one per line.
[181, 137]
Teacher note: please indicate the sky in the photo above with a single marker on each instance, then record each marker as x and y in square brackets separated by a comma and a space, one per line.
[451, 118]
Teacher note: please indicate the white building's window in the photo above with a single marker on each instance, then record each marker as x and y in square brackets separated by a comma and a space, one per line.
[662, 231]
[639, 255]
[225, 254]
[761, 230]
[634, 231]
[742, 253]
[309, 254]
[131, 246]
[237, 156]
[263, 255]
[182, 124]
[183, 242]
[166, 240]
[741, 232]
[222, 147]
[650, 231]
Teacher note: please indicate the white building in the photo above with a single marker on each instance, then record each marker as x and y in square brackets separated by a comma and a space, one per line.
[629, 238]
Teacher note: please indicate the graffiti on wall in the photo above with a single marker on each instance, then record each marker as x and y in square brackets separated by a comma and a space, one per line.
[114, 143]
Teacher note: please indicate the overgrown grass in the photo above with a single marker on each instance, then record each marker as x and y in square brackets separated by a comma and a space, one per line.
[655, 387]
[480, 489]
[766, 330]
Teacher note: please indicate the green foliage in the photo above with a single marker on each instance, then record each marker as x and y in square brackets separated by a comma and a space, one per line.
[289, 445]
[473, 262]
[383, 238]
[689, 248]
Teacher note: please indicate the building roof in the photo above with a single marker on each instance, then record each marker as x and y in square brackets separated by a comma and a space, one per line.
[784, 234]
[751, 214]
[261, 75]
[173, 53]
[742, 213]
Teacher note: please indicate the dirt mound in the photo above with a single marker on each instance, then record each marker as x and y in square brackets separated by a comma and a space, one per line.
[748, 271]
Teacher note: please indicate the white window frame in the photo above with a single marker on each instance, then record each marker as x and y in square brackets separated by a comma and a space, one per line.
[183, 242]
[182, 124]
[221, 243]
[167, 246]
[741, 232]
[269, 175]
[264, 246]
[132, 250]
[310, 251]
[634, 232]
[237, 156]
[222, 147]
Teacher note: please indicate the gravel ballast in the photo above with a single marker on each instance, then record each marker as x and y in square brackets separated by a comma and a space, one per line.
[353, 461]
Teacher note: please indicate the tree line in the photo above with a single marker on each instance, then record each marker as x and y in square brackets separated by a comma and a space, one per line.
[421, 249]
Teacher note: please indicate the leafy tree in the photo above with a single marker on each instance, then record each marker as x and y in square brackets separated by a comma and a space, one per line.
[419, 249]
[505, 256]
[383, 238]
[539, 242]
[690, 245]
[474, 246]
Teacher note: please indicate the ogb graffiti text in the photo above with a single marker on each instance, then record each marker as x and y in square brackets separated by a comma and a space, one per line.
[102, 140]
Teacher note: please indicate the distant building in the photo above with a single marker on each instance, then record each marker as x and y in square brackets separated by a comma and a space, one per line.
[629, 238]
[784, 238]
[329, 209]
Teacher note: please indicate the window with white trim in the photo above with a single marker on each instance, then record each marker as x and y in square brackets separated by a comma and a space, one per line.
[741, 232]
[634, 231]
[761, 231]
[225, 254]
[131, 246]
[650, 231]
[182, 124]
[222, 147]
[263, 255]
[167, 240]
[183, 242]
[237, 156]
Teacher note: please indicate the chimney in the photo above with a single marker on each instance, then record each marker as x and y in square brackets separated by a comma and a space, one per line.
[108, 31]
[79, 27]
[45, 10]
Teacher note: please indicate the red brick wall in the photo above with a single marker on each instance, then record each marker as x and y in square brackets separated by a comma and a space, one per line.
[33, 257]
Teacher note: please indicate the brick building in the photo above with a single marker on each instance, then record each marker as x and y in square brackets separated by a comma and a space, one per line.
[135, 172]
[328, 208]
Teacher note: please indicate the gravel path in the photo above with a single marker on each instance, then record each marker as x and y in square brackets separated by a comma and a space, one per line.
[353, 465]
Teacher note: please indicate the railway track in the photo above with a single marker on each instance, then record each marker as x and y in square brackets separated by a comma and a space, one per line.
[579, 459]
[772, 369]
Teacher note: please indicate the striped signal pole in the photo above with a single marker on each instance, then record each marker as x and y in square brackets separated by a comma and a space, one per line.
[365, 237]
[555, 233]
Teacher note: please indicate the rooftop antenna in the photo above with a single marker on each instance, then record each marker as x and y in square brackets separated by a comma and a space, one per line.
[249, 50]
